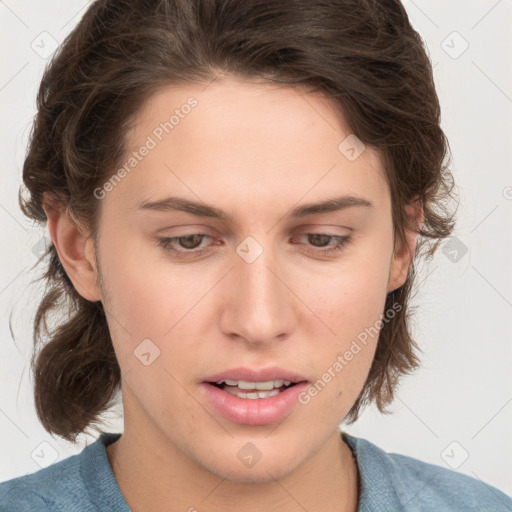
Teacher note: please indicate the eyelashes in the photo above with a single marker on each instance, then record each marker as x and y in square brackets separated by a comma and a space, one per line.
[186, 246]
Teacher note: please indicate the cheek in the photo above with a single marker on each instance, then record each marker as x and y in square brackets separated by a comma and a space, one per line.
[351, 297]
[350, 302]
[147, 294]
[148, 305]
[152, 299]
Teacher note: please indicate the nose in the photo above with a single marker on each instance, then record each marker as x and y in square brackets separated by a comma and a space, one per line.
[258, 306]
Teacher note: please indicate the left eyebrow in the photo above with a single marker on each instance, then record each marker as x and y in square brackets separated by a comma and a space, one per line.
[331, 205]
[205, 210]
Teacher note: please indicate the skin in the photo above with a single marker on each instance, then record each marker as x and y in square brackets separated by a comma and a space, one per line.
[256, 151]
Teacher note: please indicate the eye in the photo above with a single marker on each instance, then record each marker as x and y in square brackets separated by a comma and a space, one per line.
[179, 245]
[321, 240]
[192, 244]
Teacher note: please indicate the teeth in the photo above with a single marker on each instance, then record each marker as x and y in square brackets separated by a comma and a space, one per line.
[264, 386]
[253, 396]
[260, 386]
[253, 390]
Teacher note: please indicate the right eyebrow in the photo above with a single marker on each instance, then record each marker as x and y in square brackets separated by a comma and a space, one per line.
[184, 205]
[204, 210]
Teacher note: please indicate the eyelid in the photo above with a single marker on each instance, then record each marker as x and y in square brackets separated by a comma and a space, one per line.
[325, 229]
[194, 229]
[329, 250]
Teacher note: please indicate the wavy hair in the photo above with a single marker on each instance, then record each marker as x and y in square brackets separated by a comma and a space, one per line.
[362, 54]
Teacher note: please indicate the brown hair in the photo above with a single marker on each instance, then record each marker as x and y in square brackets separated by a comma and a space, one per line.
[363, 54]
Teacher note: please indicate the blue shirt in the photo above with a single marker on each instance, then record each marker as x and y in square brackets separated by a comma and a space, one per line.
[389, 482]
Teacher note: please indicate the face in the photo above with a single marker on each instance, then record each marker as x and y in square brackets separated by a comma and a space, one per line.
[252, 284]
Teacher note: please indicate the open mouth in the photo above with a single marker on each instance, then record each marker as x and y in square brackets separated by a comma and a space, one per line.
[253, 390]
[252, 401]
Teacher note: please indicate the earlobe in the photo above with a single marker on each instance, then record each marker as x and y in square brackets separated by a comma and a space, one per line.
[75, 250]
[403, 256]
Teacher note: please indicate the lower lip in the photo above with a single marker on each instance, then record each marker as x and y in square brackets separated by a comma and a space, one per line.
[259, 411]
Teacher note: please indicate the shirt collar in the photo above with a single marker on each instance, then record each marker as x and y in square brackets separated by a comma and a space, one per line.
[100, 480]
[376, 491]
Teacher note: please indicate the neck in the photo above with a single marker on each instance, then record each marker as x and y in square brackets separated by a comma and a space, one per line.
[159, 477]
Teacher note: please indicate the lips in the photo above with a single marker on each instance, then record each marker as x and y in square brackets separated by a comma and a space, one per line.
[253, 397]
[253, 390]
[253, 375]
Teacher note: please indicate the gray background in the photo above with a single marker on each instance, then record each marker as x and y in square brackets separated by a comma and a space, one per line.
[456, 410]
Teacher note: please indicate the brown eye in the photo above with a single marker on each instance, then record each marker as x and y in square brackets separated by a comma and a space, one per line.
[319, 239]
[190, 241]
[324, 244]
[183, 246]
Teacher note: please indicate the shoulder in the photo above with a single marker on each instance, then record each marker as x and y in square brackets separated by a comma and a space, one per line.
[46, 489]
[65, 486]
[412, 484]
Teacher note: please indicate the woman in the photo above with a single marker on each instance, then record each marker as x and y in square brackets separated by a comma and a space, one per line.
[236, 193]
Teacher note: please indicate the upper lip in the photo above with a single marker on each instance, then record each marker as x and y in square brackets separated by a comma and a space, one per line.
[256, 375]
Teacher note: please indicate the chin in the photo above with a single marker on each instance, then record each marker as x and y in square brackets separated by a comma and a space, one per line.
[231, 466]
[262, 474]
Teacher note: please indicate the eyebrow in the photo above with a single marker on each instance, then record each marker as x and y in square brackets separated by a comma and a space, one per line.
[204, 210]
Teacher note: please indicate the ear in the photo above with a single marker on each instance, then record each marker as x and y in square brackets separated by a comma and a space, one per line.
[403, 254]
[75, 249]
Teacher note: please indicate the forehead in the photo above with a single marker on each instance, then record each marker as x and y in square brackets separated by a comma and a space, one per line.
[245, 142]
